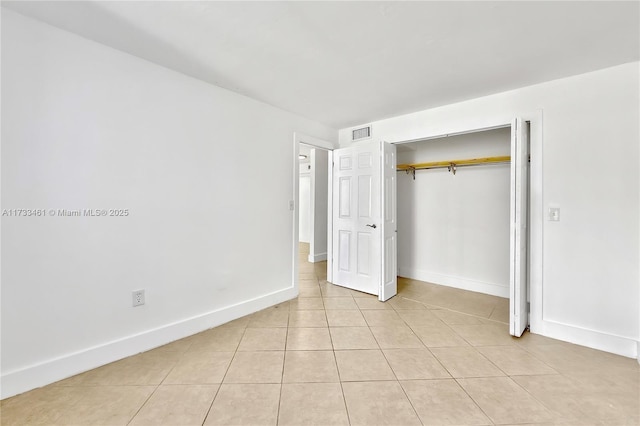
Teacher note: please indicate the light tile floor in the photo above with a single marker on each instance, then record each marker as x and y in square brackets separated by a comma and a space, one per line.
[431, 355]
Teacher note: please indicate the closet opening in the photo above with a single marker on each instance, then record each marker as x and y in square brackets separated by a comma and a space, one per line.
[454, 207]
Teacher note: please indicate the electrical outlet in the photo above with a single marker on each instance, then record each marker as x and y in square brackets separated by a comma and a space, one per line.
[138, 297]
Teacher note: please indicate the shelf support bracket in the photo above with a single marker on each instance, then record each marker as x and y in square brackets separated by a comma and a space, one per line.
[411, 170]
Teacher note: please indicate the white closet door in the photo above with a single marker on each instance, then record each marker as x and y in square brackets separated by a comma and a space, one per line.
[389, 286]
[518, 306]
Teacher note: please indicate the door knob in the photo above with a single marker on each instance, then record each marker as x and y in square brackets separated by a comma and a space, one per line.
[372, 226]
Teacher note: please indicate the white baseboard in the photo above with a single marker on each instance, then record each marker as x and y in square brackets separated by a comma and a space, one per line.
[456, 282]
[53, 370]
[313, 258]
[594, 339]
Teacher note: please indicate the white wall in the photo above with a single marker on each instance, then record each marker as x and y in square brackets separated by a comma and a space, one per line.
[86, 126]
[454, 229]
[319, 199]
[585, 160]
[305, 207]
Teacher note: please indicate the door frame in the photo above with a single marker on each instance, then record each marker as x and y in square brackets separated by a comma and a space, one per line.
[535, 208]
[299, 138]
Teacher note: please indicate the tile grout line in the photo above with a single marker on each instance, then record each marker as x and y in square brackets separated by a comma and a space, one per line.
[447, 370]
[444, 308]
[335, 359]
[394, 373]
[235, 352]
[549, 409]
[333, 351]
[211, 405]
[158, 385]
[534, 356]
[143, 404]
[402, 387]
[472, 399]
[284, 361]
[506, 375]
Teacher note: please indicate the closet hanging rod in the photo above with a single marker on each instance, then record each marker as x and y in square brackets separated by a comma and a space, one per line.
[452, 164]
[442, 164]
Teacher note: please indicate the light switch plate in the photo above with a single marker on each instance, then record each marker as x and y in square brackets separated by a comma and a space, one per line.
[554, 214]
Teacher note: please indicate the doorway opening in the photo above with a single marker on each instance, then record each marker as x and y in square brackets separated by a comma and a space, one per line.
[310, 206]
[313, 195]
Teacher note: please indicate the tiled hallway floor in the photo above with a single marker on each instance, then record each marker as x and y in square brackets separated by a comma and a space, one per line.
[431, 355]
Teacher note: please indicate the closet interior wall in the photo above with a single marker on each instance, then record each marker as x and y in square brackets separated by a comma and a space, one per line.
[453, 230]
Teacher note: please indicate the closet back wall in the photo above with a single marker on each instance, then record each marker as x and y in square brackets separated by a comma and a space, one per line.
[454, 229]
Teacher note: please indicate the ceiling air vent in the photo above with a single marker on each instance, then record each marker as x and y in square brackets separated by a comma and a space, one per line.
[361, 133]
